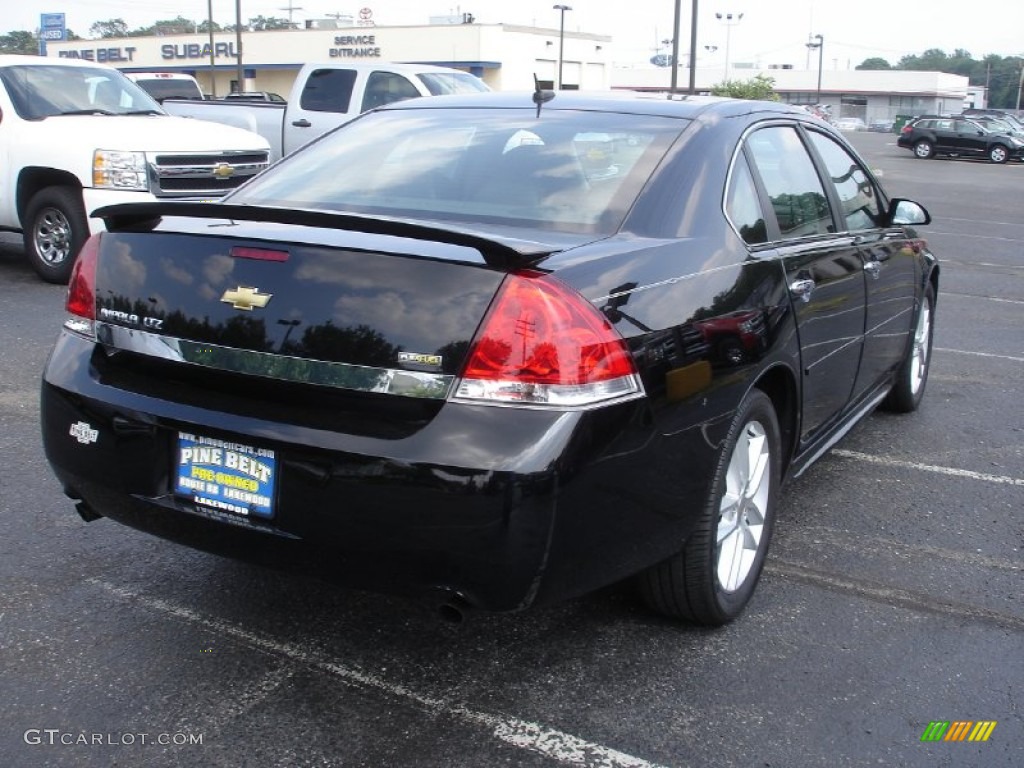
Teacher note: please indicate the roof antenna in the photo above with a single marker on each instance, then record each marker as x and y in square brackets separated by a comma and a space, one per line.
[540, 96]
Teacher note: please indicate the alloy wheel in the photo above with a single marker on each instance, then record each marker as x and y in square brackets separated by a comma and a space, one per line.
[920, 350]
[744, 507]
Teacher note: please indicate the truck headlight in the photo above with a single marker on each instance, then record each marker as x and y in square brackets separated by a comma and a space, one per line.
[119, 170]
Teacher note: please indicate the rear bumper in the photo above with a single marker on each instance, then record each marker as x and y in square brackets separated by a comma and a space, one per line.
[503, 507]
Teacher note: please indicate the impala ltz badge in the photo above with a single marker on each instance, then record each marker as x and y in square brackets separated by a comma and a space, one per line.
[246, 298]
[84, 433]
[418, 358]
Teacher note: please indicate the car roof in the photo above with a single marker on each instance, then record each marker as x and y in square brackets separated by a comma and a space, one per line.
[18, 59]
[683, 106]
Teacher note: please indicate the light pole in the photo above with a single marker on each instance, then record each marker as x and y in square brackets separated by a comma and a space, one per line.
[238, 42]
[213, 61]
[730, 21]
[561, 39]
[1020, 87]
[820, 45]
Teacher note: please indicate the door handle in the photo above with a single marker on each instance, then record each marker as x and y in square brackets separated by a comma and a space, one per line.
[873, 268]
[802, 289]
[303, 123]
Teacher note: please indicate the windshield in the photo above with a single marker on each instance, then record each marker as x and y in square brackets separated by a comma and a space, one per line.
[565, 171]
[41, 90]
[442, 83]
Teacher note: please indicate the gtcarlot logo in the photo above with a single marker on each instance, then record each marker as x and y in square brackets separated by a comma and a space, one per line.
[57, 737]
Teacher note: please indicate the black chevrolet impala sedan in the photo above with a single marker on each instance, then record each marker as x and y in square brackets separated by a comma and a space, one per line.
[496, 350]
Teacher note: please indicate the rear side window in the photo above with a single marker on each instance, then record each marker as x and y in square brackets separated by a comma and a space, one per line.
[328, 90]
[743, 206]
[796, 194]
[385, 87]
[857, 194]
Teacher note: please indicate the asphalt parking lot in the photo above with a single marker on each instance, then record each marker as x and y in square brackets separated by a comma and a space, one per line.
[892, 597]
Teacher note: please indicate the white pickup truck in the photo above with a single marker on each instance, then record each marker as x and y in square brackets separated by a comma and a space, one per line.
[76, 135]
[324, 96]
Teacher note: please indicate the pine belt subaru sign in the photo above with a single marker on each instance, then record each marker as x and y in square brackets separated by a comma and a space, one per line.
[51, 29]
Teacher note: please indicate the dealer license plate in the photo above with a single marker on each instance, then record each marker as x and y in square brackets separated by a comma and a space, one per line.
[228, 476]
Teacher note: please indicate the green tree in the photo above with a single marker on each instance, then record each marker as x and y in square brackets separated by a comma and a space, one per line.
[874, 63]
[19, 42]
[109, 28]
[176, 26]
[261, 23]
[759, 88]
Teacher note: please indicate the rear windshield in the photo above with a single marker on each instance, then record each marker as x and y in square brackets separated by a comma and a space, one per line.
[569, 171]
[442, 83]
[161, 89]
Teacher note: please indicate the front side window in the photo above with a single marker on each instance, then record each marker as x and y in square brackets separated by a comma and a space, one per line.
[797, 196]
[857, 194]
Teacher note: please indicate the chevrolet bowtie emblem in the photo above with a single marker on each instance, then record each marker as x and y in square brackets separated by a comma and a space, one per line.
[246, 298]
[223, 170]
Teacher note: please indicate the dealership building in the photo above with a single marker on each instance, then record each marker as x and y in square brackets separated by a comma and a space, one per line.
[506, 57]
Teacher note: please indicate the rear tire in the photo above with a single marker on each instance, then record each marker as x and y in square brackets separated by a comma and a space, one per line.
[908, 389]
[713, 578]
[55, 229]
[924, 149]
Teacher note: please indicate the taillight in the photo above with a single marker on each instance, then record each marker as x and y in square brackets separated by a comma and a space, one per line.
[81, 302]
[544, 344]
[907, 128]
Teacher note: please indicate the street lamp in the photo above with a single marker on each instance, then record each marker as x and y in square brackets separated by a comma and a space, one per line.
[820, 45]
[730, 21]
[561, 39]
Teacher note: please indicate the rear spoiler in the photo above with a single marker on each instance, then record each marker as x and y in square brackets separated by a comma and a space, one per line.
[500, 254]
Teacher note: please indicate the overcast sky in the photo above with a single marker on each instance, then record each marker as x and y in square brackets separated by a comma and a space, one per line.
[770, 32]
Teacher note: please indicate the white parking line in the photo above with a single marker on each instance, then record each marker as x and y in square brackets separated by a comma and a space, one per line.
[535, 737]
[947, 295]
[980, 354]
[889, 462]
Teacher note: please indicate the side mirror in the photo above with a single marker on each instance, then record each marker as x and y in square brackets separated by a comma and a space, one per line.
[907, 213]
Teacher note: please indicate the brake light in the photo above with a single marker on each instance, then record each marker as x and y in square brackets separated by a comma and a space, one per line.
[81, 301]
[542, 343]
[907, 128]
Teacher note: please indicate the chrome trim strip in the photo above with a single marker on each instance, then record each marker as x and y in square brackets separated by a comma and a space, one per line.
[360, 378]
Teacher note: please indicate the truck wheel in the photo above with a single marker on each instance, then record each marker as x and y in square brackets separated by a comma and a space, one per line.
[55, 228]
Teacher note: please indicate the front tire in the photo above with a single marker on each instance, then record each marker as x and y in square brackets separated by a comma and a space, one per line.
[908, 389]
[998, 154]
[924, 149]
[713, 578]
[55, 229]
